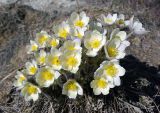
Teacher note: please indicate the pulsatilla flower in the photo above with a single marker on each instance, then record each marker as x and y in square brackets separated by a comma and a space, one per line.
[115, 47]
[53, 59]
[31, 67]
[79, 20]
[100, 85]
[62, 30]
[33, 47]
[94, 41]
[20, 80]
[30, 92]
[77, 32]
[120, 21]
[111, 71]
[136, 26]
[53, 42]
[108, 20]
[71, 45]
[71, 88]
[41, 39]
[46, 76]
[41, 57]
[70, 61]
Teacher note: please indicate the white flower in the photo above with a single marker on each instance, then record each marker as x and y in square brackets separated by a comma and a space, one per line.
[41, 57]
[71, 88]
[33, 47]
[53, 59]
[116, 33]
[71, 45]
[20, 80]
[46, 76]
[77, 32]
[136, 26]
[111, 71]
[30, 92]
[62, 30]
[94, 41]
[97, 26]
[53, 42]
[100, 85]
[41, 39]
[70, 61]
[31, 67]
[121, 20]
[115, 47]
[79, 20]
[109, 20]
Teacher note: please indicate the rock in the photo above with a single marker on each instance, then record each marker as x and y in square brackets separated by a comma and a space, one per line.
[49, 5]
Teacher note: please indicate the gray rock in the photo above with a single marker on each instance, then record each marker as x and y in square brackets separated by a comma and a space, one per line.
[47, 5]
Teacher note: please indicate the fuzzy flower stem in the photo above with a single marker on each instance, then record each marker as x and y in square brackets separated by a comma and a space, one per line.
[129, 35]
[77, 3]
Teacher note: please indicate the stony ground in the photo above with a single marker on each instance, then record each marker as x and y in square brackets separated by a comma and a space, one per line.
[140, 90]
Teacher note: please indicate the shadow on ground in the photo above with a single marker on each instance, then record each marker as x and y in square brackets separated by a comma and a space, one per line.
[139, 92]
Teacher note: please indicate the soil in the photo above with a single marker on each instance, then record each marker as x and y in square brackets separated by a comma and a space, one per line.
[140, 89]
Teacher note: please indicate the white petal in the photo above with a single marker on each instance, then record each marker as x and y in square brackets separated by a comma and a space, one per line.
[120, 55]
[121, 71]
[34, 97]
[96, 91]
[122, 35]
[121, 16]
[105, 91]
[137, 25]
[117, 81]
[114, 17]
[140, 31]
[80, 90]
[123, 46]
[72, 94]
[109, 78]
[57, 74]
[74, 69]
[91, 53]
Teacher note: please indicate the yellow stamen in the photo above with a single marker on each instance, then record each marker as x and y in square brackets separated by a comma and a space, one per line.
[63, 33]
[121, 21]
[42, 39]
[34, 47]
[53, 43]
[55, 60]
[72, 61]
[21, 78]
[108, 20]
[94, 43]
[31, 89]
[71, 86]
[111, 70]
[33, 70]
[42, 60]
[112, 51]
[71, 47]
[46, 75]
[79, 23]
[101, 83]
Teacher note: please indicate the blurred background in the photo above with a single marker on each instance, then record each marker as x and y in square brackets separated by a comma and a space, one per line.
[21, 19]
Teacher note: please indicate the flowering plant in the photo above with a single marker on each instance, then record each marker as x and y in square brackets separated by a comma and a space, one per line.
[60, 54]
